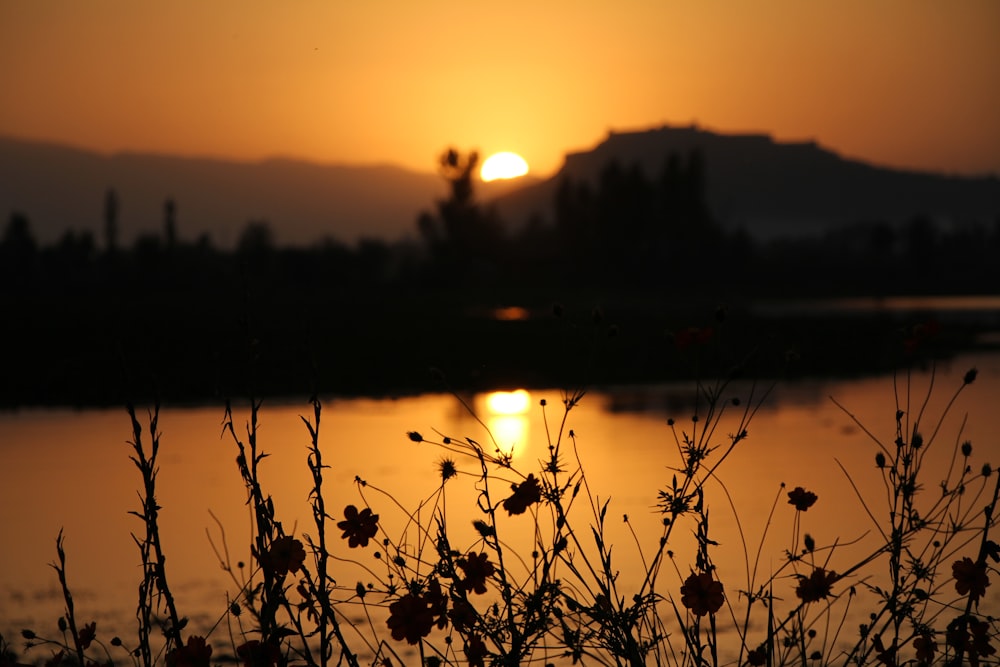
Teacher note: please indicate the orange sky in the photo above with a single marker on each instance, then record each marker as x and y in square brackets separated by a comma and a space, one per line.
[910, 83]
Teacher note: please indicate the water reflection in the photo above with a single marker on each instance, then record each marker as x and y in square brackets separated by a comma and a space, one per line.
[514, 402]
[508, 421]
[69, 470]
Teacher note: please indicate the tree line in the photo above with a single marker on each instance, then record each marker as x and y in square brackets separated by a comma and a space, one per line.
[626, 231]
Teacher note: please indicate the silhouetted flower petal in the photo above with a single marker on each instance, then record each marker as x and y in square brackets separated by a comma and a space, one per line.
[757, 657]
[925, 647]
[816, 586]
[196, 653]
[970, 578]
[801, 498]
[525, 494]
[437, 602]
[475, 651]
[477, 569]
[358, 527]
[410, 618]
[970, 636]
[463, 615]
[702, 594]
[285, 555]
[255, 654]
[87, 634]
[981, 638]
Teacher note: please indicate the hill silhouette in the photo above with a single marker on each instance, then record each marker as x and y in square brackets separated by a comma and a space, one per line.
[773, 189]
[96, 319]
[752, 182]
[60, 188]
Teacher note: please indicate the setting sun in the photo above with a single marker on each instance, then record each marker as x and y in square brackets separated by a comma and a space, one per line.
[508, 402]
[503, 165]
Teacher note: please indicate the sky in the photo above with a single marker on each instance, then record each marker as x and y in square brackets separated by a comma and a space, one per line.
[902, 83]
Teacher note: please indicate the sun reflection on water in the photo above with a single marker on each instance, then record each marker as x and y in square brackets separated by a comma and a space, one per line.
[508, 421]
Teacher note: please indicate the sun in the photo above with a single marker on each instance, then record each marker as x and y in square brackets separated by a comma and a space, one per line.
[503, 165]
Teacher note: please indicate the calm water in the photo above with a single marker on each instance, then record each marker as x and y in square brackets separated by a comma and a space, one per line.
[70, 470]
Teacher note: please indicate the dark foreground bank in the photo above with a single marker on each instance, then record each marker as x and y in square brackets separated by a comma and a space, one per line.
[107, 351]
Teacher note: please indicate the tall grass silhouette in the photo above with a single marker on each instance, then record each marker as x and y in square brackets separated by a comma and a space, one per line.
[536, 578]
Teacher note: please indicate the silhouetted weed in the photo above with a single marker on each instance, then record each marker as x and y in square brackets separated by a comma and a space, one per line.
[538, 580]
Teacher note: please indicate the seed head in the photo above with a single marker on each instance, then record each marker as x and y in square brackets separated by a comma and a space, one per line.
[446, 467]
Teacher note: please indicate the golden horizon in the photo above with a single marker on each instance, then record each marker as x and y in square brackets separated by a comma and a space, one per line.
[895, 83]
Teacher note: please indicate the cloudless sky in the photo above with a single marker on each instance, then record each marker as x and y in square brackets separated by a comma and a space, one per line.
[909, 83]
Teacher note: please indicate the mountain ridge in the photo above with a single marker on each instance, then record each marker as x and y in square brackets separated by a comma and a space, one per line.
[767, 187]
[60, 188]
[773, 188]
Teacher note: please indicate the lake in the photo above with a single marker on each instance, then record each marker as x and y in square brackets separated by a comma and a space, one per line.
[69, 470]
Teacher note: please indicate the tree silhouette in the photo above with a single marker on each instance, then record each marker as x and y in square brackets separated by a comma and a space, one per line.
[629, 230]
[170, 223]
[461, 237]
[255, 249]
[18, 252]
[111, 221]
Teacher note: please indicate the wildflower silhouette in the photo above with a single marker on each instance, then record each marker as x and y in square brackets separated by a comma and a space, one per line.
[477, 569]
[702, 594]
[801, 498]
[256, 654]
[358, 527]
[447, 469]
[970, 636]
[475, 651]
[885, 656]
[757, 657]
[285, 555]
[197, 653]
[970, 578]
[462, 614]
[410, 618]
[816, 586]
[87, 634]
[925, 647]
[526, 493]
